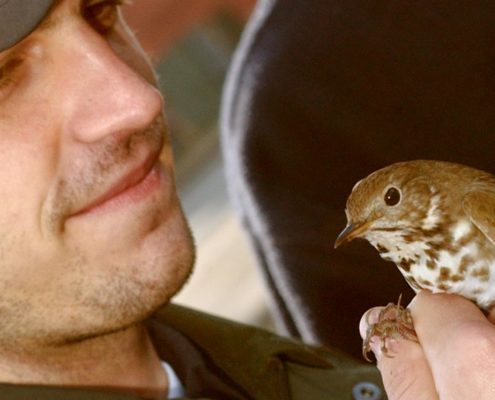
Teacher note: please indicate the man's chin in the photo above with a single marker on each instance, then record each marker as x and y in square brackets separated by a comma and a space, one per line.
[132, 306]
[159, 282]
[118, 290]
[151, 295]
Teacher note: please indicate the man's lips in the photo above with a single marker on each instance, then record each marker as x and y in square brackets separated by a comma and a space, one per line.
[126, 182]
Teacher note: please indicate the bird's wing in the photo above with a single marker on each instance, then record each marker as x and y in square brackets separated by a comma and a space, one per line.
[479, 206]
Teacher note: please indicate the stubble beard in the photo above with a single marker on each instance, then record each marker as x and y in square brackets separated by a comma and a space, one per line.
[94, 297]
[100, 304]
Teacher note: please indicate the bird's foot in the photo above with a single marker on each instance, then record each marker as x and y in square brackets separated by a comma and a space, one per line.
[394, 322]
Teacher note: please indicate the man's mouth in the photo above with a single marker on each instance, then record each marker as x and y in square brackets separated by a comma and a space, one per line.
[130, 185]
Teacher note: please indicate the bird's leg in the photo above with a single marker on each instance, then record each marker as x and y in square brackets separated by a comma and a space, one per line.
[394, 322]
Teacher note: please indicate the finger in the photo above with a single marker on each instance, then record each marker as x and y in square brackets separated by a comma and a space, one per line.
[459, 343]
[404, 368]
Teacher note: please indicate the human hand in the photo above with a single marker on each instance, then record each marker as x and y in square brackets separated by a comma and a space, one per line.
[455, 356]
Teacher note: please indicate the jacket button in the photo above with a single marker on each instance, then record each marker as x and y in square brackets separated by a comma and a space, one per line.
[366, 391]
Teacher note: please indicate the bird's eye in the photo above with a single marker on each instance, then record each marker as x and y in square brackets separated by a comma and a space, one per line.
[392, 197]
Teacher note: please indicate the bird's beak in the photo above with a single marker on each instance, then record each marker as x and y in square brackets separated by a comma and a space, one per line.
[350, 232]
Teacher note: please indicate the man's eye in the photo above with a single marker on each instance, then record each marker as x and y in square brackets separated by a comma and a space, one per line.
[8, 76]
[102, 15]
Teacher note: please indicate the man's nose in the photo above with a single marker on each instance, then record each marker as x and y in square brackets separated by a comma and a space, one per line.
[102, 94]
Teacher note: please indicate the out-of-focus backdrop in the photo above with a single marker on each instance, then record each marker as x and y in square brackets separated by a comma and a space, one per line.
[191, 43]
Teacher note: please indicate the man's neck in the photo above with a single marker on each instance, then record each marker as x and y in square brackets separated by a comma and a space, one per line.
[125, 361]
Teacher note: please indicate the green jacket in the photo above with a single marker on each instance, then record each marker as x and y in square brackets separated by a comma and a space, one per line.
[223, 360]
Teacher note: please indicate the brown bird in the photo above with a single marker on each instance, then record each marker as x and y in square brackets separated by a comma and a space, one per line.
[436, 221]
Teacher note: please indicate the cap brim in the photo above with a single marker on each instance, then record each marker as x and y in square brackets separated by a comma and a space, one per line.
[18, 18]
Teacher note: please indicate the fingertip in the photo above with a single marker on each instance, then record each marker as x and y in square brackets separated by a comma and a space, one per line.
[370, 317]
[420, 298]
[438, 306]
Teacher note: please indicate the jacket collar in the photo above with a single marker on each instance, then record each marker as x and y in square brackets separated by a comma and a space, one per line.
[249, 361]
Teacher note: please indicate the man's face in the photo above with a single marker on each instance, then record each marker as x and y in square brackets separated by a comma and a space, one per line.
[92, 238]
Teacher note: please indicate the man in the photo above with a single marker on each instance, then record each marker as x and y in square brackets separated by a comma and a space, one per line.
[93, 239]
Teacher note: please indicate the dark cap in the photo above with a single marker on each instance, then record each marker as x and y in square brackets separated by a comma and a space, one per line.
[18, 18]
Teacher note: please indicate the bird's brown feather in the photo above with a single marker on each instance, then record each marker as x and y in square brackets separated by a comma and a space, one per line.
[479, 206]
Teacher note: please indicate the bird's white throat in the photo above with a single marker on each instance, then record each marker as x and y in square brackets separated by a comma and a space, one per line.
[463, 268]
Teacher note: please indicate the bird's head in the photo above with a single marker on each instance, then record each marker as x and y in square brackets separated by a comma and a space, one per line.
[389, 204]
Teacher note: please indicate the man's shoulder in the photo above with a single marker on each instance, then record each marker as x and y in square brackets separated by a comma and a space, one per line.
[263, 365]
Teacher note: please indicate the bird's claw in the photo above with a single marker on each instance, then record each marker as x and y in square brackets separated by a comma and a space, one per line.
[394, 322]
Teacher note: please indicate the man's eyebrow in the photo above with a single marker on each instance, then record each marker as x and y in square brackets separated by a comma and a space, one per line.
[51, 21]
